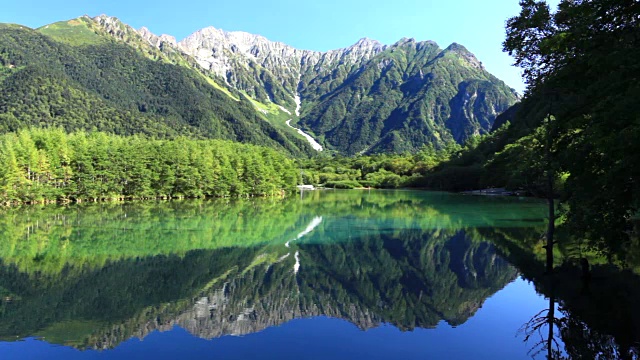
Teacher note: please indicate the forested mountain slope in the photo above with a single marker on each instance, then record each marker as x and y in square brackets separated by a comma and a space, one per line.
[411, 94]
[99, 73]
[367, 97]
[81, 78]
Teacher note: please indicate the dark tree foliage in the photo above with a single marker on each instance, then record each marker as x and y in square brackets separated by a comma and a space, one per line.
[582, 62]
[582, 71]
[581, 68]
[596, 317]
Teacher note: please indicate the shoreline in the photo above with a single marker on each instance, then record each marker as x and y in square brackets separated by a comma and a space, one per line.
[115, 199]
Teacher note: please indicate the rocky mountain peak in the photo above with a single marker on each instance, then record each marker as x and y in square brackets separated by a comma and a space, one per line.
[406, 40]
[365, 47]
[363, 98]
[413, 43]
[113, 26]
[236, 41]
[300, 82]
[109, 21]
[168, 39]
[367, 43]
[157, 41]
[465, 54]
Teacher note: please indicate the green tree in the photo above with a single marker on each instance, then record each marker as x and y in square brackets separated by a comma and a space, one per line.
[584, 57]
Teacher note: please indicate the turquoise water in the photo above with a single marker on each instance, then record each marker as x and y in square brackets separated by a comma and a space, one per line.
[324, 275]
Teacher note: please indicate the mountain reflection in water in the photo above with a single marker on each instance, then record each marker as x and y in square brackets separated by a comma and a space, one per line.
[92, 277]
[413, 280]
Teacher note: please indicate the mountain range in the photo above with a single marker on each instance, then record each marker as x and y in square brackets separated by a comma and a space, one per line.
[239, 291]
[99, 73]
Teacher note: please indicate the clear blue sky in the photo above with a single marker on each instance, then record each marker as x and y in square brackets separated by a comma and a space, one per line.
[314, 25]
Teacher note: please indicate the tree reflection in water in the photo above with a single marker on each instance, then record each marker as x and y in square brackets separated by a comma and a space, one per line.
[545, 320]
[586, 318]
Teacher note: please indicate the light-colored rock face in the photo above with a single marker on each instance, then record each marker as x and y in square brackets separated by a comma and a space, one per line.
[227, 53]
[124, 32]
[157, 41]
[333, 92]
[234, 55]
[112, 25]
[212, 47]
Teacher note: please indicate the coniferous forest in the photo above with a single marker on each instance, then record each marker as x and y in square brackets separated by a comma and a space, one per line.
[42, 165]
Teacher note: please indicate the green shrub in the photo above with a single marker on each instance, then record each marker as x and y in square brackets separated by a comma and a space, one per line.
[343, 184]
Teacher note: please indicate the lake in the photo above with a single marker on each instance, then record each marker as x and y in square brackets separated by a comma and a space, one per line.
[322, 275]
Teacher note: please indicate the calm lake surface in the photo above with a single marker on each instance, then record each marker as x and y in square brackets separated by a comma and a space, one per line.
[324, 275]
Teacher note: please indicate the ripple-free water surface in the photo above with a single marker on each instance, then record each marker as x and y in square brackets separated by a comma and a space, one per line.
[325, 275]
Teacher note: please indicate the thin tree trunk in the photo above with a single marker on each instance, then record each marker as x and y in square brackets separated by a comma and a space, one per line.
[551, 321]
[550, 200]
